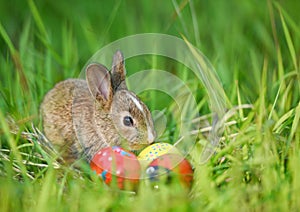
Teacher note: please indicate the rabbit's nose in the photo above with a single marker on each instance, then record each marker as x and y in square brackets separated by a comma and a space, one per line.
[151, 142]
[151, 138]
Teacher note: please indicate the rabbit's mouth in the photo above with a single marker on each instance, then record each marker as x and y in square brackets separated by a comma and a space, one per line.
[137, 147]
[136, 152]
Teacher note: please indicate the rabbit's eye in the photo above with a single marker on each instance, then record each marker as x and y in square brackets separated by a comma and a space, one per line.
[127, 121]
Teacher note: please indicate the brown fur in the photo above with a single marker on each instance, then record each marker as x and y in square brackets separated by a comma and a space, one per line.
[83, 116]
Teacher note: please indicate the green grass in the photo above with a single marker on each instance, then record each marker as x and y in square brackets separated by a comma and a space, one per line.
[254, 47]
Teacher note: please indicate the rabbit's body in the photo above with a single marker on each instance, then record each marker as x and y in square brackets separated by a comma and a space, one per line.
[83, 116]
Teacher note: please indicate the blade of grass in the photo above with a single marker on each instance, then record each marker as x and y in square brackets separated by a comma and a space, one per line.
[288, 18]
[289, 41]
[38, 19]
[195, 23]
[43, 36]
[13, 146]
[286, 96]
[69, 49]
[241, 114]
[262, 97]
[46, 191]
[110, 21]
[175, 15]
[275, 101]
[280, 123]
[278, 50]
[295, 125]
[16, 58]
[178, 10]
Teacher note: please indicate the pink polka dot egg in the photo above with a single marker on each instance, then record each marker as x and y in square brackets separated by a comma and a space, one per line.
[117, 167]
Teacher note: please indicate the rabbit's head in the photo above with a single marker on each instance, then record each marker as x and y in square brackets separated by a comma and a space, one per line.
[128, 115]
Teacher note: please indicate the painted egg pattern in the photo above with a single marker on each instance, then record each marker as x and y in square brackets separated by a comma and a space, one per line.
[115, 163]
[168, 165]
[155, 150]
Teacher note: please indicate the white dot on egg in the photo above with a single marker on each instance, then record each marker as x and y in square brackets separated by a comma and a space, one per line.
[104, 153]
[150, 170]
[109, 159]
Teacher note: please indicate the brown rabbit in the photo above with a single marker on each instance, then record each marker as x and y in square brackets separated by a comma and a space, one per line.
[82, 116]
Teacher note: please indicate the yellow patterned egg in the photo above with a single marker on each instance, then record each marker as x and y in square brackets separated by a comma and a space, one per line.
[155, 150]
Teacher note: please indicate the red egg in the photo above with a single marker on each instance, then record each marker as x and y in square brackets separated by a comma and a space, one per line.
[117, 166]
[169, 166]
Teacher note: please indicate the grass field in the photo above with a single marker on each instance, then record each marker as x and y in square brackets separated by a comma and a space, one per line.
[255, 49]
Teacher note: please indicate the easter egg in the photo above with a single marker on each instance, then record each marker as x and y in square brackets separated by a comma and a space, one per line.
[117, 167]
[155, 150]
[167, 167]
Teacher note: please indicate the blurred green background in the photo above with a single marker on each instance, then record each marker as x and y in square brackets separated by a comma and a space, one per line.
[235, 36]
[232, 34]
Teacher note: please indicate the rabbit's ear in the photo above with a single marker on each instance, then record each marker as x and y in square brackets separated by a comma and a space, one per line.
[99, 83]
[118, 72]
